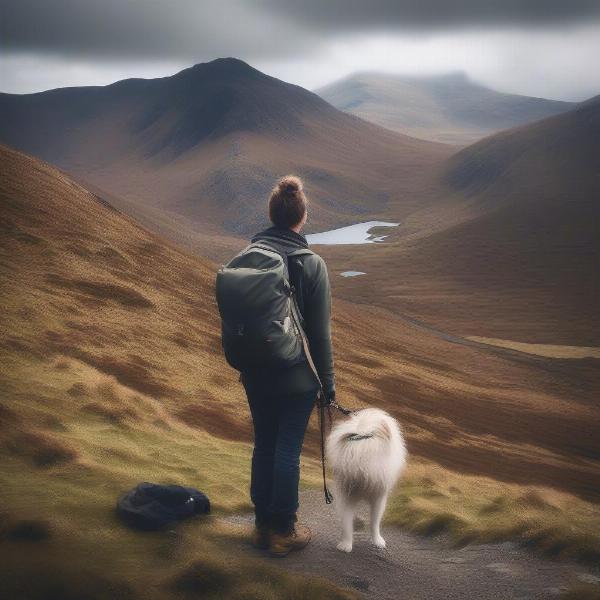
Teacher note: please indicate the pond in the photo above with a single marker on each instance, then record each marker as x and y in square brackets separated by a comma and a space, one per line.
[352, 273]
[353, 234]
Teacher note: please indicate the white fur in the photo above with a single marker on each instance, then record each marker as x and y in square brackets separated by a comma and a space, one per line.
[365, 469]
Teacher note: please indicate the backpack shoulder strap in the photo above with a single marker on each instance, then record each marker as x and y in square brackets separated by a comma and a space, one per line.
[300, 252]
[275, 247]
[260, 245]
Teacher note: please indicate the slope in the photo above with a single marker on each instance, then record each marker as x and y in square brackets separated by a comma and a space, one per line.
[112, 373]
[110, 328]
[520, 260]
[447, 108]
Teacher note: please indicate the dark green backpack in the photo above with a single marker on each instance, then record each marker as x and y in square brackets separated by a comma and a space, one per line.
[260, 321]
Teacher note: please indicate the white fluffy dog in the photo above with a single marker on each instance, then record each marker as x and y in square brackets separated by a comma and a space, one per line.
[367, 456]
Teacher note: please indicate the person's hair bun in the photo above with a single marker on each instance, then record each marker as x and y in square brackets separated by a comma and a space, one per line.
[290, 185]
[287, 203]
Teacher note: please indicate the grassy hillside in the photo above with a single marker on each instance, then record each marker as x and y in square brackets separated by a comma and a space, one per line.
[447, 108]
[512, 253]
[112, 374]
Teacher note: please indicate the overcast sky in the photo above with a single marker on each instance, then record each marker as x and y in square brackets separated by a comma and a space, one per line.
[546, 48]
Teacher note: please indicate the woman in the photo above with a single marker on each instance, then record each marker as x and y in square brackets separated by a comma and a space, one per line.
[281, 401]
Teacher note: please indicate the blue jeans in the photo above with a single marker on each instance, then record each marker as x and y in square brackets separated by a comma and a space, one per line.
[280, 421]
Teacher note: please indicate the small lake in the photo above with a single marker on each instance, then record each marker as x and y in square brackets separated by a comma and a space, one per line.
[353, 234]
[352, 273]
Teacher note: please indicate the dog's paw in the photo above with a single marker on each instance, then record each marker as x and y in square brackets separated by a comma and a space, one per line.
[345, 546]
[379, 542]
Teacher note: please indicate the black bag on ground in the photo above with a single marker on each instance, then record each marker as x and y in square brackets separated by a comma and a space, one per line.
[151, 506]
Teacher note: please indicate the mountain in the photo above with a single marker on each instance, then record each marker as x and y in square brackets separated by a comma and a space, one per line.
[556, 158]
[538, 191]
[202, 148]
[448, 108]
[515, 252]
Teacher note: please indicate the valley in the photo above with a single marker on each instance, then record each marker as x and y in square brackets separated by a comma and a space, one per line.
[202, 148]
[465, 302]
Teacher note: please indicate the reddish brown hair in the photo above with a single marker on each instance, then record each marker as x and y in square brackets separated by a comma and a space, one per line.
[287, 203]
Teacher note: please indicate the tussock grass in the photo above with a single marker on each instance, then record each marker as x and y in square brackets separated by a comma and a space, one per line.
[431, 500]
[59, 535]
[134, 437]
[154, 566]
[99, 358]
[112, 431]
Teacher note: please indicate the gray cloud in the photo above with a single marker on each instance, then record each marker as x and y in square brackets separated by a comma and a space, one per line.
[173, 29]
[251, 29]
[336, 15]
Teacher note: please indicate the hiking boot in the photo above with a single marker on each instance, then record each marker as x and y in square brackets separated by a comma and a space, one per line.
[283, 543]
[260, 538]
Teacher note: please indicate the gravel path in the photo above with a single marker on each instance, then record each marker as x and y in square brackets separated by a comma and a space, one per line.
[416, 568]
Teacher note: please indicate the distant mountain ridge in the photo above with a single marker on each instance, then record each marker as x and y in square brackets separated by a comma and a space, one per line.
[446, 108]
[206, 145]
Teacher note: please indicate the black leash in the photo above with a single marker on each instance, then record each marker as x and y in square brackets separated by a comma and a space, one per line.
[326, 492]
[322, 407]
[339, 407]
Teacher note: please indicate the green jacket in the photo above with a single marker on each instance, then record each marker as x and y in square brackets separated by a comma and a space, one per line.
[308, 274]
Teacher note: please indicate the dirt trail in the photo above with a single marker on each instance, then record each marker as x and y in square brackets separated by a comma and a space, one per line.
[457, 339]
[417, 568]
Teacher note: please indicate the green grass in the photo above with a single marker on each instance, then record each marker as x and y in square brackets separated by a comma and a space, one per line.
[72, 439]
[110, 562]
[432, 500]
[63, 468]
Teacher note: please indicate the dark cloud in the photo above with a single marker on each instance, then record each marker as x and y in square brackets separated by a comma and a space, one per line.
[252, 29]
[345, 15]
[175, 29]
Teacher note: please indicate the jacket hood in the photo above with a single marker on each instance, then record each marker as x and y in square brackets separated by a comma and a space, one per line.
[284, 237]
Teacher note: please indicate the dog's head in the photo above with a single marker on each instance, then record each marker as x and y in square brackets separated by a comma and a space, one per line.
[368, 422]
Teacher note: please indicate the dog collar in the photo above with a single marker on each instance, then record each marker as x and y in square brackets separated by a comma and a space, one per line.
[355, 437]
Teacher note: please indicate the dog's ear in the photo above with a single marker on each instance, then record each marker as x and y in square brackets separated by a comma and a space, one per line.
[385, 430]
